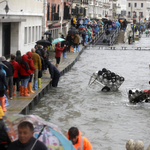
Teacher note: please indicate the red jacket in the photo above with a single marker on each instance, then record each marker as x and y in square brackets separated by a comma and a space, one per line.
[24, 68]
[58, 50]
[16, 68]
[30, 62]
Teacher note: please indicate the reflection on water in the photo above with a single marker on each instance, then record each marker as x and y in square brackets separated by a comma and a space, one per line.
[108, 120]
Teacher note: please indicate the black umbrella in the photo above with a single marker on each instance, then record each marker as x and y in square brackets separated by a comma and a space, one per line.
[72, 32]
[47, 33]
[72, 28]
[43, 42]
[82, 32]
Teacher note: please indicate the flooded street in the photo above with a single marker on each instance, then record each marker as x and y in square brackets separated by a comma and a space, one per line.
[108, 120]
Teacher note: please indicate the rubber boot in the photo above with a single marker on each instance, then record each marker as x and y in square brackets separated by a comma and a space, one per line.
[74, 50]
[21, 91]
[30, 88]
[14, 90]
[39, 82]
[3, 103]
[25, 92]
[36, 85]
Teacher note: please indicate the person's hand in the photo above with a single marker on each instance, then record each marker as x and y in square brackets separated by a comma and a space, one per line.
[7, 91]
[51, 79]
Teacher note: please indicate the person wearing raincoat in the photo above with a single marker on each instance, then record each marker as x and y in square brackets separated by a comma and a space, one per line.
[58, 51]
[78, 141]
[3, 87]
[25, 75]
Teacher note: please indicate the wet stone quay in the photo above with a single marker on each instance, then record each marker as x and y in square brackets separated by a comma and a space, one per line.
[108, 120]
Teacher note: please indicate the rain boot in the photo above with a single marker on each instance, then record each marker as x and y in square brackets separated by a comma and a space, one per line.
[30, 88]
[39, 82]
[36, 85]
[3, 103]
[14, 90]
[74, 50]
[25, 92]
[21, 91]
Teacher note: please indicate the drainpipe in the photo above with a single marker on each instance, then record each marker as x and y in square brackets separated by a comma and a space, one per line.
[44, 16]
[61, 15]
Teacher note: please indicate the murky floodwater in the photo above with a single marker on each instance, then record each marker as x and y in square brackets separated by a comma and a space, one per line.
[108, 120]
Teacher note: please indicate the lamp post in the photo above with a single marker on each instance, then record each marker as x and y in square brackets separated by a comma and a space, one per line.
[139, 24]
[6, 7]
[133, 25]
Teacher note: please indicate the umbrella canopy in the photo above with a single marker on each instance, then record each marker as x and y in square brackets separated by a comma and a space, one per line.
[43, 42]
[80, 17]
[47, 33]
[72, 28]
[57, 40]
[51, 135]
[82, 32]
[72, 32]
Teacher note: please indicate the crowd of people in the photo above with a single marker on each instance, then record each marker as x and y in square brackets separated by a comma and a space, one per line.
[17, 74]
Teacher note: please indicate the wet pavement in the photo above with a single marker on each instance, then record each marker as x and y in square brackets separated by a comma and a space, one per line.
[108, 120]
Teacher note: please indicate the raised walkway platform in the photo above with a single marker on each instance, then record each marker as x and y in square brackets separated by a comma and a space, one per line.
[23, 105]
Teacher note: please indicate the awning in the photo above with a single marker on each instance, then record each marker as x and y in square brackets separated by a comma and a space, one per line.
[67, 3]
[58, 25]
[12, 20]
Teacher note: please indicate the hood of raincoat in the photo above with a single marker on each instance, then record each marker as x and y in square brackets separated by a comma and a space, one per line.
[18, 53]
[58, 44]
[29, 54]
[25, 58]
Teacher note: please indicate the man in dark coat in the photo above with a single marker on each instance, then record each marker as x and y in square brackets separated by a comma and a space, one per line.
[54, 72]
[9, 75]
[25, 138]
[4, 139]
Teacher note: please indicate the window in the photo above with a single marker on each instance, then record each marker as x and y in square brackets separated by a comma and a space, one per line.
[25, 35]
[32, 34]
[29, 35]
[128, 13]
[141, 4]
[129, 4]
[135, 4]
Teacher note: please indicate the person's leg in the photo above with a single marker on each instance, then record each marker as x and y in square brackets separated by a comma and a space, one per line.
[14, 82]
[22, 88]
[2, 99]
[11, 87]
[25, 86]
[36, 79]
[55, 82]
[30, 85]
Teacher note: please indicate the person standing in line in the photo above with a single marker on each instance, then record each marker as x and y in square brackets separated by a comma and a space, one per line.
[58, 51]
[37, 64]
[15, 75]
[18, 59]
[32, 68]
[3, 87]
[9, 76]
[76, 43]
[25, 73]
[79, 142]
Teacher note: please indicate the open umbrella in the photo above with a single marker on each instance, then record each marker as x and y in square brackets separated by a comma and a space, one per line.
[72, 32]
[72, 28]
[47, 33]
[57, 40]
[43, 42]
[48, 133]
[3, 64]
[80, 17]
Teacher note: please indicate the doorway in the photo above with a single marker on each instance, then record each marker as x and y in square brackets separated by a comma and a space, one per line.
[6, 29]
